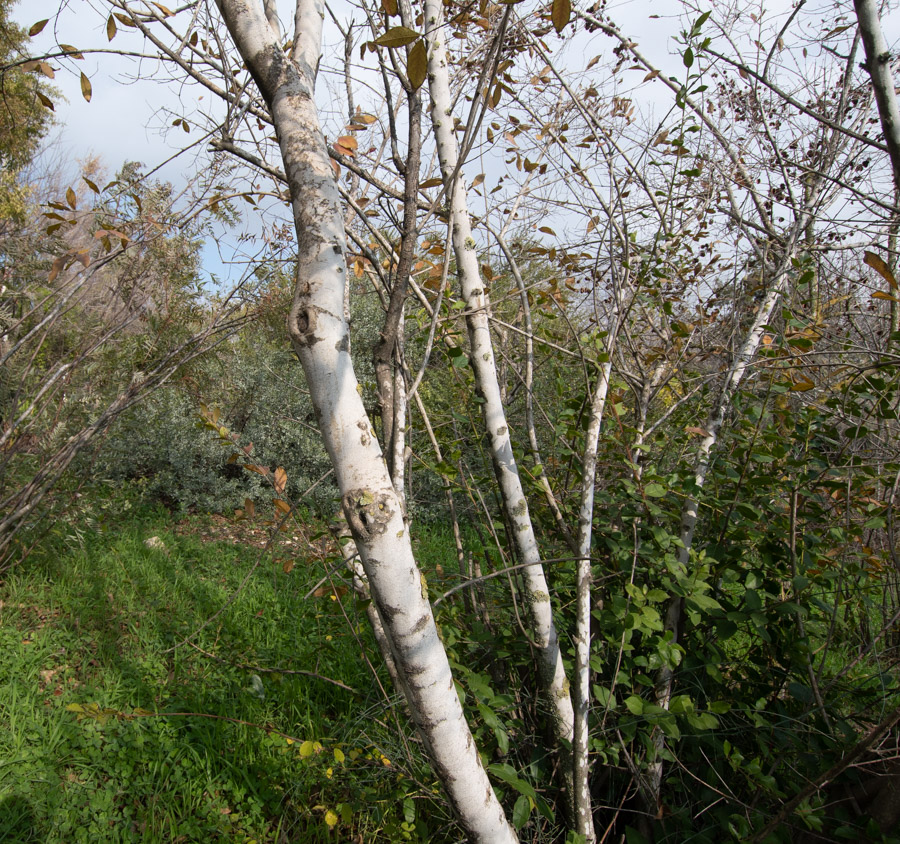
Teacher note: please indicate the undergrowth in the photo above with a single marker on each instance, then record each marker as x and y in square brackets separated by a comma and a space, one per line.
[125, 716]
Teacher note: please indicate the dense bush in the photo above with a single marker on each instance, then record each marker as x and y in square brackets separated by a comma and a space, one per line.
[259, 391]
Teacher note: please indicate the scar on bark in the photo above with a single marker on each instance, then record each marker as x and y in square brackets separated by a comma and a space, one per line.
[367, 512]
[303, 325]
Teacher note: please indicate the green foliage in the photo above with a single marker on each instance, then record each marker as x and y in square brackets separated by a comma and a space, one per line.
[260, 390]
[24, 119]
[117, 736]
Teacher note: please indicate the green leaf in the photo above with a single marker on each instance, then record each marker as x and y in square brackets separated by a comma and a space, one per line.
[704, 602]
[521, 811]
[398, 36]
[635, 705]
[508, 774]
[655, 490]
[800, 692]
[602, 694]
[703, 720]
[681, 704]
[417, 65]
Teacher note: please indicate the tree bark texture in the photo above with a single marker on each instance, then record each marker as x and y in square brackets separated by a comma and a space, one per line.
[878, 63]
[481, 357]
[320, 335]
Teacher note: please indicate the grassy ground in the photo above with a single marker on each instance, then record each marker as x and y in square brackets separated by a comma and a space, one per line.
[113, 730]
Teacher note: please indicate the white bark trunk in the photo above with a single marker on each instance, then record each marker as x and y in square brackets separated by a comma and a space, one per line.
[542, 627]
[878, 63]
[584, 823]
[320, 336]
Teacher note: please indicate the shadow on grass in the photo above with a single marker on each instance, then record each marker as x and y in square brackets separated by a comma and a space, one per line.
[17, 821]
[171, 744]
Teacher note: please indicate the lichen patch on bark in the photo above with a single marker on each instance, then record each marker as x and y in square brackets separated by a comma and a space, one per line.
[367, 512]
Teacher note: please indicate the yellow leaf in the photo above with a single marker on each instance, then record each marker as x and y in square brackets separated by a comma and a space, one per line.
[879, 265]
[70, 198]
[86, 90]
[111, 28]
[878, 294]
[417, 65]
[37, 27]
[280, 479]
[331, 819]
[339, 755]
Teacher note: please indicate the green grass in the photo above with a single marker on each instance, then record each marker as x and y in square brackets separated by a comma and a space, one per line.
[109, 732]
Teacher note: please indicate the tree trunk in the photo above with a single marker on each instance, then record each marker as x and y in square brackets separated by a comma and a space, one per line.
[319, 333]
[481, 356]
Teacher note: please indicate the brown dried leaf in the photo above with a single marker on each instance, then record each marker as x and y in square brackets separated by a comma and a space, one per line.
[560, 14]
[880, 266]
[398, 36]
[86, 90]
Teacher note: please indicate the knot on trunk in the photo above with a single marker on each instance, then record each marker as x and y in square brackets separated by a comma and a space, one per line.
[367, 512]
[302, 325]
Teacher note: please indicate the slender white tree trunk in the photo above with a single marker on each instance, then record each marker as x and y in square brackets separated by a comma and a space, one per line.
[584, 824]
[878, 63]
[481, 351]
[320, 336]
[666, 676]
